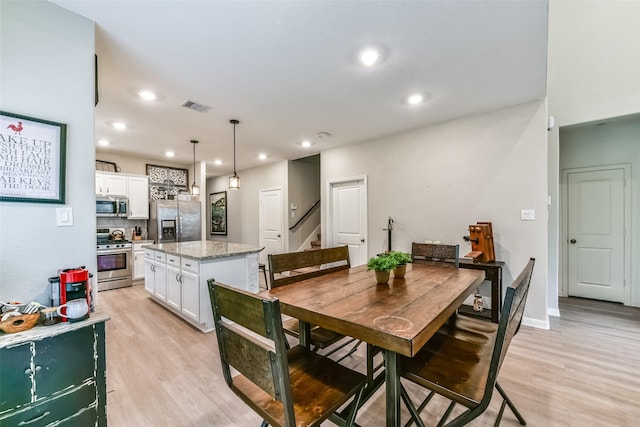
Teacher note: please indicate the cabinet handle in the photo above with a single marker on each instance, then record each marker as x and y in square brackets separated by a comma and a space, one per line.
[24, 423]
[188, 265]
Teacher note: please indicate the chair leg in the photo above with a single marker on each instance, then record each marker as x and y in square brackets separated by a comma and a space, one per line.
[415, 413]
[264, 271]
[511, 406]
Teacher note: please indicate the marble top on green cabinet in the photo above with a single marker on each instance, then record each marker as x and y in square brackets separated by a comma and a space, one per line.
[205, 249]
[40, 332]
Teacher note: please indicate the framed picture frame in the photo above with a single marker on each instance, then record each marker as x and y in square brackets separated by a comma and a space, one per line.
[218, 203]
[166, 182]
[33, 155]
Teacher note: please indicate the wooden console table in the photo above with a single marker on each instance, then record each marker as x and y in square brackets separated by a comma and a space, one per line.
[493, 273]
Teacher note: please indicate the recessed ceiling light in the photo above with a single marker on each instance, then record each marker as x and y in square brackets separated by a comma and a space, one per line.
[169, 153]
[415, 99]
[103, 142]
[369, 57]
[262, 156]
[119, 125]
[217, 162]
[306, 143]
[147, 95]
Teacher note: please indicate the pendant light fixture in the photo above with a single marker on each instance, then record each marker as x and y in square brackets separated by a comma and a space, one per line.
[234, 180]
[195, 190]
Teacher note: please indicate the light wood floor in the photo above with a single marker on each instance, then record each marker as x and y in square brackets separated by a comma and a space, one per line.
[583, 372]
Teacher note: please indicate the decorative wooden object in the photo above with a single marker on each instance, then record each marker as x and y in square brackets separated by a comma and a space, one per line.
[481, 238]
[19, 323]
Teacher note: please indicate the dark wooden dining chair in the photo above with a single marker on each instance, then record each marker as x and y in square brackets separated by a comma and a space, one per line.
[462, 360]
[430, 252]
[294, 267]
[286, 387]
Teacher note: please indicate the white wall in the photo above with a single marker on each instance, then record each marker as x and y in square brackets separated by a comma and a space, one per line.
[594, 60]
[47, 56]
[617, 142]
[593, 68]
[138, 165]
[243, 205]
[436, 181]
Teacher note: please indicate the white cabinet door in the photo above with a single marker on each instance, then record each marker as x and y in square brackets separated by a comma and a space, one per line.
[138, 190]
[160, 268]
[111, 184]
[149, 274]
[191, 295]
[138, 265]
[174, 287]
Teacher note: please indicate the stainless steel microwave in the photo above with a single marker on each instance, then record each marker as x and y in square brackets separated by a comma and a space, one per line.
[112, 206]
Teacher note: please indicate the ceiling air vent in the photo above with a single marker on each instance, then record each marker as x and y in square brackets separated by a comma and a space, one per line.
[195, 106]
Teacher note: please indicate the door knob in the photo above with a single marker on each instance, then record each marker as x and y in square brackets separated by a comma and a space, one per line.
[362, 240]
[278, 235]
[572, 241]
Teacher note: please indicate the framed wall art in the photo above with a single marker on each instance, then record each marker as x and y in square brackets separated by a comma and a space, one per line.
[166, 182]
[32, 159]
[218, 203]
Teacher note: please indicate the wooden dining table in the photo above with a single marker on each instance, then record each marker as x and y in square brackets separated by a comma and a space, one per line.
[398, 317]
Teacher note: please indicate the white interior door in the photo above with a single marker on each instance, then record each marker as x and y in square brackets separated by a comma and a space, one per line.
[596, 234]
[348, 218]
[271, 222]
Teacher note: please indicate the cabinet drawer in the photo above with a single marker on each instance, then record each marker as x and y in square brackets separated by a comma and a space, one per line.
[173, 260]
[160, 257]
[149, 254]
[189, 264]
[59, 407]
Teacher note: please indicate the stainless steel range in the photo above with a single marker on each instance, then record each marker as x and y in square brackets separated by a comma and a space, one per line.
[115, 257]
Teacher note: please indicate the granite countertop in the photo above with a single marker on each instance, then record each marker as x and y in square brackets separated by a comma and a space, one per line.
[205, 249]
[40, 332]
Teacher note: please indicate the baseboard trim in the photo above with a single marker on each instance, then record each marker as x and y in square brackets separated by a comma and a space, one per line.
[540, 324]
[555, 312]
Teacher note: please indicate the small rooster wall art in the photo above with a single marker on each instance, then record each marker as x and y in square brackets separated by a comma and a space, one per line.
[17, 129]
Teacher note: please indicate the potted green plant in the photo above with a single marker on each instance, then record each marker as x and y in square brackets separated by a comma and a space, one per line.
[402, 258]
[382, 265]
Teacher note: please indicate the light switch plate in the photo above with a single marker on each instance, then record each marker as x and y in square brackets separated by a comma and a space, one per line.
[528, 215]
[64, 217]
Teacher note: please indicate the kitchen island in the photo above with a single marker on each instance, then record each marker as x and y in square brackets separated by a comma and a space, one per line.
[176, 274]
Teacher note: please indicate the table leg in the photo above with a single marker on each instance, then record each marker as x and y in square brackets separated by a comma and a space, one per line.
[392, 381]
[304, 331]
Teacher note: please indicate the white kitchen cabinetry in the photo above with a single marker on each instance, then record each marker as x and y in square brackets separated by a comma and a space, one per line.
[185, 291]
[139, 259]
[159, 275]
[190, 289]
[174, 287]
[149, 271]
[111, 184]
[135, 187]
[138, 193]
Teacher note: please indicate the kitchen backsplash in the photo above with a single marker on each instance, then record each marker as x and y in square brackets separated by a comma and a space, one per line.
[128, 225]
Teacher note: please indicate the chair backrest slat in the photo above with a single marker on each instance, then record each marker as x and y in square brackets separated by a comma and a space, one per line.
[327, 260]
[251, 340]
[435, 252]
[510, 319]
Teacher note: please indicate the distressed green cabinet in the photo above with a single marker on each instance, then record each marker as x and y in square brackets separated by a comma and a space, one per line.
[50, 378]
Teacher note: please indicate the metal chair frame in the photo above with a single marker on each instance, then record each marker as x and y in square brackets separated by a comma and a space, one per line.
[508, 326]
[251, 340]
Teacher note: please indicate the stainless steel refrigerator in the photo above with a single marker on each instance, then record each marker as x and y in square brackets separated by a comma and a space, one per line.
[174, 221]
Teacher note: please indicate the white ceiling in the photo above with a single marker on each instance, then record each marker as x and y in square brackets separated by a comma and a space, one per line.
[288, 71]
